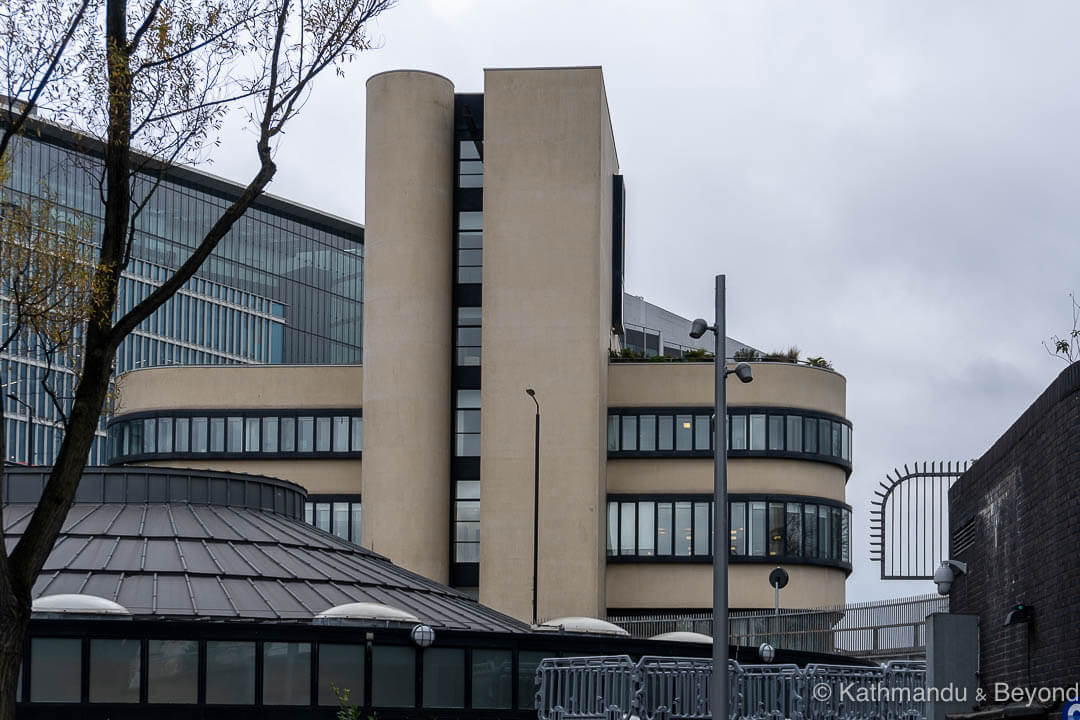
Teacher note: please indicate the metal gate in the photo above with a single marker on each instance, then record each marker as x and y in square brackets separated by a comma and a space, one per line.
[666, 688]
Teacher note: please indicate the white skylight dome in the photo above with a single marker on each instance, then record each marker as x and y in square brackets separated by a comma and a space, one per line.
[582, 625]
[77, 604]
[367, 611]
[683, 636]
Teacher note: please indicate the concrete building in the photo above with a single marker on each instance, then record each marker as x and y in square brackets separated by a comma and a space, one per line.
[494, 247]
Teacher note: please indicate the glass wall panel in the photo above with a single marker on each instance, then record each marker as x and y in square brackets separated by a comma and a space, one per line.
[183, 435]
[612, 527]
[165, 435]
[528, 661]
[230, 672]
[114, 670]
[823, 531]
[845, 536]
[683, 528]
[305, 436]
[626, 529]
[810, 526]
[492, 679]
[794, 529]
[664, 528]
[794, 433]
[341, 520]
[738, 528]
[356, 523]
[703, 432]
[341, 434]
[776, 432]
[665, 433]
[444, 678]
[738, 432]
[824, 437]
[252, 434]
[286, 673]
[757, 529]
[55, 670]
[357, 442]
[270, 434]
[646, 528]
[393, 676]
[629, 432]
[684, 432]
[288, 434]
[613, 433]
[322, 434]
[701, 528]
[647, 433]
[234, 434]
[757, 432]
[810, 435]
[322, 516]
[198, 435]
[217, 434]
[172, 671]
[341, 667]
[776, 529]
[837, 529]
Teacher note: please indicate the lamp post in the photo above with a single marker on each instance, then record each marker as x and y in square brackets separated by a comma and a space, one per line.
[719, 694]
[536, 498]
[29, 427]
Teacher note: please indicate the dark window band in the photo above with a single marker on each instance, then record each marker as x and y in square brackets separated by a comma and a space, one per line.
[236, 434]
[667, 432]
[776, 529]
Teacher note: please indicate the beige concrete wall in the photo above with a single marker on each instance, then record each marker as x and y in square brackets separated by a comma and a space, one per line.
[745, 475]
[316, 476]
[775, 384]
[241, 386]
[407, 323]
[689, 586]
[549, 158]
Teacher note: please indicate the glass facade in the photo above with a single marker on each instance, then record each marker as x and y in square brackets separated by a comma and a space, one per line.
[340, 515]
[284, 286]
[468, 333]
[764, 528]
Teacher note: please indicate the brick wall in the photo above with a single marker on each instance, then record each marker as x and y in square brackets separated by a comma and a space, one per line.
[1022, 502]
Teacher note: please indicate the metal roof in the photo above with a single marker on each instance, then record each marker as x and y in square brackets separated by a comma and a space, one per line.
[179, 559]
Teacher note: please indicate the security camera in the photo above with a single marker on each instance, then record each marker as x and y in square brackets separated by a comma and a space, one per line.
[743, 372]
[945, 575]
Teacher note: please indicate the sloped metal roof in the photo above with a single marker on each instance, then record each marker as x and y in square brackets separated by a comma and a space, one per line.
[179, 559]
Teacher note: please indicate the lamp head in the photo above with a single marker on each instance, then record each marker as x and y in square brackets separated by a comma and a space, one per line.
[531, 392]
[698, 328]
[744, 372]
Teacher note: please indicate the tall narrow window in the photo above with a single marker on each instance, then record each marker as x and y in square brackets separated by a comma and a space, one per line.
[794, 530]
[627, 529]
[647, 433]
[663, 528]
[794, 433]
[703, 432]
[702, 531]
[684, 531]
[776, 432]
[738, 432]
[684, 432]
[629, 432]
[757, 432]
[738, 528]
[646, 529]
[756, 529]
[613, 433]
[665, 433]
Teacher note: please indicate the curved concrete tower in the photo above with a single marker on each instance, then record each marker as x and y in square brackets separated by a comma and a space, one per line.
[407, 319]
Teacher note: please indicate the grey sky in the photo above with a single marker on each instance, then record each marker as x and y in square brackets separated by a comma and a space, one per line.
[892, 186]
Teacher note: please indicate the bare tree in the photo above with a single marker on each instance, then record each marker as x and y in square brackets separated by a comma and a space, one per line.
[1068, 347]
[153, 79]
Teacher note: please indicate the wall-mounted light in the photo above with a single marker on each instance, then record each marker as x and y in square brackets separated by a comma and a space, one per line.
[1018, 614]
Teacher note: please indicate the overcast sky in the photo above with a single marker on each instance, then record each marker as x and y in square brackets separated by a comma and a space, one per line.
[893, 186]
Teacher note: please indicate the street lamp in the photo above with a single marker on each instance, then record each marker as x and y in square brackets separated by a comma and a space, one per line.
[29, 427]
[536, 498]
[720, 512]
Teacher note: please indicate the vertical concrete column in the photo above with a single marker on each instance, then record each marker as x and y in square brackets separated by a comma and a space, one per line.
[549, 158]
[407, 323]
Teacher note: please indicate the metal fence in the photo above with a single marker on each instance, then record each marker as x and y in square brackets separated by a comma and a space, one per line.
[662, 688]
[879, 630]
